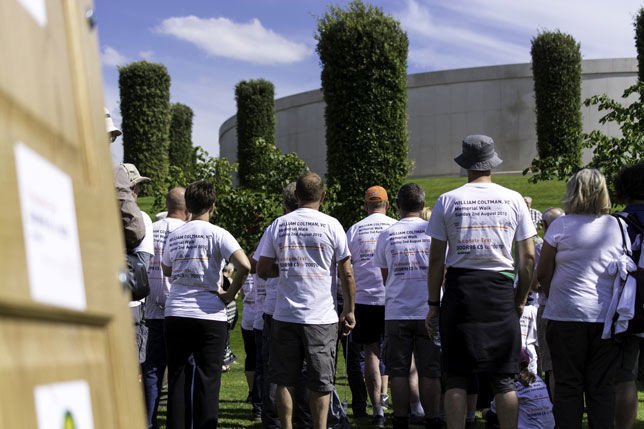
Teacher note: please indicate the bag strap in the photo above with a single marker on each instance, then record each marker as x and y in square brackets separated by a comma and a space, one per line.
[617, 217]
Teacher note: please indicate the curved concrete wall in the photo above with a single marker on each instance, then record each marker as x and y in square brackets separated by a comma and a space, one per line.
[444, 107]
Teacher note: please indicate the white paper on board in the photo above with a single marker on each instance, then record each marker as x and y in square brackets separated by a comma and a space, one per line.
[37, 9]
[50, 231]
[66, 405]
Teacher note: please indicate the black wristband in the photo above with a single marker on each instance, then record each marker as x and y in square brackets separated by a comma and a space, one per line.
[433, 303]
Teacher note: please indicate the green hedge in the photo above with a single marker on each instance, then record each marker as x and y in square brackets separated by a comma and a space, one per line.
[639, 43]
[556, 68]
[255, 119]
[145, 107]
[364, 78]
[181, 152]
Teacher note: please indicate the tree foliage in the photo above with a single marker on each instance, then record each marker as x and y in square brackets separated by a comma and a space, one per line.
[611, 154]
[181, 152]
[244, 212]
[145, 108]
[364, 64]
[556, 68]
[639, 43]
[255, 119]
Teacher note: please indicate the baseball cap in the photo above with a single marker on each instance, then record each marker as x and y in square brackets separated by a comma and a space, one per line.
[134, 175]
[375, 194]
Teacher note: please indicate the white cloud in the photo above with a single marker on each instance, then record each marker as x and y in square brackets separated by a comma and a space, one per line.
[221, 37]
[466, 33]
[146, 55]
[112, 57]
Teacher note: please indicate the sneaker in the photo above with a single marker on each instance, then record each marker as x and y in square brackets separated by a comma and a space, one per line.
[256, 416]
[378, 421]
[384, 400]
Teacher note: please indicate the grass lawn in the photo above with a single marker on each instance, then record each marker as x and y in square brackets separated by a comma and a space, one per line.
[235, 413]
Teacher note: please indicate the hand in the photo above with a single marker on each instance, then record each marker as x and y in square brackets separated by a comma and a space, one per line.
[519, 308]
[431, 322]
[347, 322]
[225, 296]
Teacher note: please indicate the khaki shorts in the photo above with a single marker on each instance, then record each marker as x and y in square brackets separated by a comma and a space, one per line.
[292, 343]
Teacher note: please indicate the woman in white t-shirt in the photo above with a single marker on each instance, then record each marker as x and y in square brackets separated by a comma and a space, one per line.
[195, 313]
[573, 272]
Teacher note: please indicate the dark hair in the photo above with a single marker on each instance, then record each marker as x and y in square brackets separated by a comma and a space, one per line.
[200, 196]
[629, 184]
[411, 198]
[290, 200]
[309, 188]
[525, 376]
[379, 205]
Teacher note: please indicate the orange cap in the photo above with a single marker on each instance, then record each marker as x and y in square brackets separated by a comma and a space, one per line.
[375, 194]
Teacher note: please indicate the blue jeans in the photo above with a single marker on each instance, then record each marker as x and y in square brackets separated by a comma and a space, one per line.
[153, 368]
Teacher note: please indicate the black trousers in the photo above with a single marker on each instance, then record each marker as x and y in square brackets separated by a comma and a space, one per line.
[584, 365]
[205, 340]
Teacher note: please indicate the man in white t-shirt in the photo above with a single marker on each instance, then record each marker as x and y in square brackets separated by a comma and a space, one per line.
[143, 252]
[370, 291]
[196, 323]
[402, 254]
[307, 245]
[155, 360]
[480, 310]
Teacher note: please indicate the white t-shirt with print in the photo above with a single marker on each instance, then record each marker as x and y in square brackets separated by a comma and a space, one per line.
[581, 287]
[159, 284]
[307, 244]
[269, 285]
[528, 322]
[248, 309]
[535, 408]
[403, 249]
[260, 295]
[197, 253]
[480, 221]
[362, 238]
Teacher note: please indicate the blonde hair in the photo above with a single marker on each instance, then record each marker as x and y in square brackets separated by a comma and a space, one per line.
[586, 193]
[426, 213]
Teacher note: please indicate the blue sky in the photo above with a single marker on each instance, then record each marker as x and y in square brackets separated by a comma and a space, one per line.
[210, 45]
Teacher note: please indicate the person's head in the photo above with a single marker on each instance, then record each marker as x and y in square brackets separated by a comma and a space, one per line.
[549, 215]
[478, 154]
[200, 197]
[290, 200]
[175, 203]
[411, 198]
[586, 193]
[135, 178]
[629, 184]
[525, 376]
[309, 189]
[376, 199]
[112, 131]
[528, 201]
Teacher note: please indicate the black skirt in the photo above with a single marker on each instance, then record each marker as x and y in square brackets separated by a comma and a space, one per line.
[479, 326]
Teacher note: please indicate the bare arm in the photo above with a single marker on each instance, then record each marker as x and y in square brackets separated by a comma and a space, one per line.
[267, 268]
[546, 267]
[242, 268]
[348, 285]
[526, 271]
[167, 271]
[435, 275]
[385, 275]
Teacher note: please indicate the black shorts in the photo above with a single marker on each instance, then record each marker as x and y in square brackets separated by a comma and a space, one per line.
[370, 324]
[479, 326]
[292, 343]
[404, 337]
